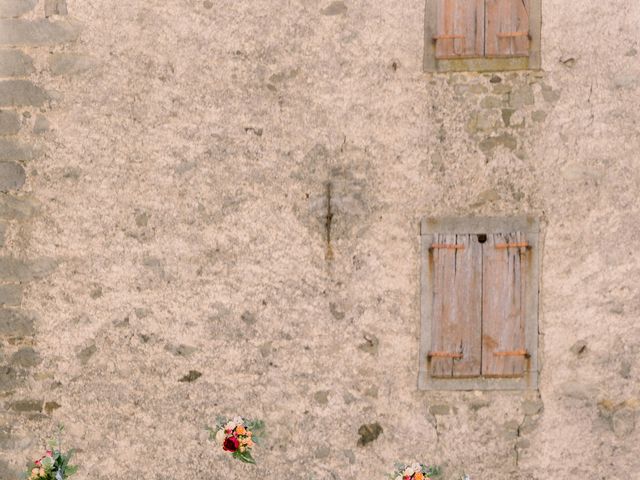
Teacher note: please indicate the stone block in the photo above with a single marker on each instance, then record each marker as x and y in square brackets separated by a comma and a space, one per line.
[49, 407]
[192, 376]
[623, 422]
[549, 94]
[26, 405]
[491, 102]
[18, 93]
[539, 116]
[521, 97]
[9, 122]
[11, 294]
[334, 8]
[532, 407]
[16, 270]
[368, 433]
[41, 125]
[25, 358]
[11, 150]
[39, 32]
[439, 409]
[15, 8]
[505, 140]
[8, 379]
[55, 7]
[69, 63]
[16, 323]
[16, 208]
[86, 353]
[12, 176]
[14, 63]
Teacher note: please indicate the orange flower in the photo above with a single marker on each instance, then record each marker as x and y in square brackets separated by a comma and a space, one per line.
[418, 476]
[240, 430]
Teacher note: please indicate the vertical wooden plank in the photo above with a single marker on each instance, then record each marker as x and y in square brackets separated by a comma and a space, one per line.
[443, 262]
[507, 28]
[457, 303]
[459, 28]
[503, 310]
[466, 332]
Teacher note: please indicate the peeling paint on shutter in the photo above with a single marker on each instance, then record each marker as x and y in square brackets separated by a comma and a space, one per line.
[505, 260]
[456, 306]
[507, 28]
[459, 28]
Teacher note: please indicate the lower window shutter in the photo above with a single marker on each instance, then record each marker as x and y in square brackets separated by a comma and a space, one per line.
[459, 28]
[503, 311]
[456, 266]
[507, 28]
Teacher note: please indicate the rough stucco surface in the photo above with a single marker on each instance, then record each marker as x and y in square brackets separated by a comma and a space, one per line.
[182, 185]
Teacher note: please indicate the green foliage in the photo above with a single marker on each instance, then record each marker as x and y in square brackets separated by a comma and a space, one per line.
[54, 465]
[244, 456]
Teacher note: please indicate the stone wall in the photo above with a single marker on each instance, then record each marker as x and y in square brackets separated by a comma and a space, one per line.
[31, 35]
[213, 208]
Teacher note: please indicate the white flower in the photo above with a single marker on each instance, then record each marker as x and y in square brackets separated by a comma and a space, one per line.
[238, 420]
[220, 437]
[408, 472]
[230, 425]
[416, 468]
[399, 477]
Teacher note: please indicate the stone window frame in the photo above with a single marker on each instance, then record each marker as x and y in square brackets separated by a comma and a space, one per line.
[431, 226]
[482, 64]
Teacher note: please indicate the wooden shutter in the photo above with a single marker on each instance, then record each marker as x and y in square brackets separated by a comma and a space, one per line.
[456, 306]
[503, 307]
[507, 28]
[459, 28]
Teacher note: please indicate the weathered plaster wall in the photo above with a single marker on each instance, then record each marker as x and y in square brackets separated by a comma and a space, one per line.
[166, 257]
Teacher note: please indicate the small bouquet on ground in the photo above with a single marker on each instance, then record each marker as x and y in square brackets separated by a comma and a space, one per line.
[53, 465]
[238, 436]
[415, 471]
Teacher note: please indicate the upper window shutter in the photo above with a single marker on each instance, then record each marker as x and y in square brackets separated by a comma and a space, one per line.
[505, 261]
[456, 265]
[507, 28]
[459, 28]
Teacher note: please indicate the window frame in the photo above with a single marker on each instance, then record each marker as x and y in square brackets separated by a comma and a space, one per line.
[480, 225]
[482, 64]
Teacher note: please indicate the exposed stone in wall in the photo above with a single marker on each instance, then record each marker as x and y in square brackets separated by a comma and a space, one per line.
[27, 42]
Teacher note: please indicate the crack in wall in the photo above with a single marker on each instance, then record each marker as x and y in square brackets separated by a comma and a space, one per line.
[328, 223]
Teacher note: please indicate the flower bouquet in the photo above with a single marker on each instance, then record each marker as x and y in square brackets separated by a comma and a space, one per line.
[415, 471]
[237, 436]
[53, 465]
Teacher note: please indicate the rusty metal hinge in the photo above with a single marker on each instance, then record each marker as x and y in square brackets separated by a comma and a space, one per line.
[514, 353]
[444, 355]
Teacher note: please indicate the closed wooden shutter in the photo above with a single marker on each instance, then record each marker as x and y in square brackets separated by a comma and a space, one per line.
[456, 263]
[503, 308]
[507, 28]
[459, 28]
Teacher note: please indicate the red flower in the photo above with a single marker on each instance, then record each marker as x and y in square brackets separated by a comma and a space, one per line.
[231, 444]
[38, 463]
